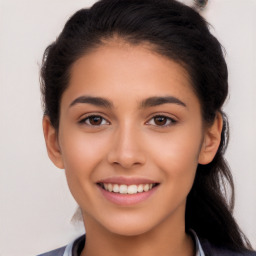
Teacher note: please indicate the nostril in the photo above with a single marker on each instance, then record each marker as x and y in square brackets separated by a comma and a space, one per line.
[126, 150]
[127, 163]
[126, 159]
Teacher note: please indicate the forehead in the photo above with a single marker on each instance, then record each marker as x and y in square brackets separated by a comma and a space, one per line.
[119, 68]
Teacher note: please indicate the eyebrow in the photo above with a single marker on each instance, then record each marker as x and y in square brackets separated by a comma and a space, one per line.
[97, 101]
[149, 102]
[156, 101]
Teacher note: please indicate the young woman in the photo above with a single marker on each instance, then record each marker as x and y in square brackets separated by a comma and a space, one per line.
[133, 92]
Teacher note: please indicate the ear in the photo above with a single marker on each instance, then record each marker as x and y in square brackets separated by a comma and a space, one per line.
[52, 145]
[211, 142]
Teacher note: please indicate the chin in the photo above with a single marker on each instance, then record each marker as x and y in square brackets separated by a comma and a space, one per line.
[129, 231]
[133, 228]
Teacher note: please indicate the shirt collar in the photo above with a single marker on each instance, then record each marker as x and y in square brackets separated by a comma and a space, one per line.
[199, 249]
[68, 249]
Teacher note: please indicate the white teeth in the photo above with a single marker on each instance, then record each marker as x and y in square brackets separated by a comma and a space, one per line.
[146, 187]
[132, 189]
[115, 188]
[140, 188]
[124, 189]
[110, 187]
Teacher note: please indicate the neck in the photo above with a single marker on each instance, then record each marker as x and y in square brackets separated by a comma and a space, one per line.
[166, 239]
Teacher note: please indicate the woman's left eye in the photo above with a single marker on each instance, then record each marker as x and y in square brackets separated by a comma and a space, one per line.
[161, 121]
[94, 120]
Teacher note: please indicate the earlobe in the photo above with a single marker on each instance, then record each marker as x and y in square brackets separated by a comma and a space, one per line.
[211, 142]
[52, 145]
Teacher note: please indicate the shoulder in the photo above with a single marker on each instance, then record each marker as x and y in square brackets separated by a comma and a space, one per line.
[73, 248]
[56, 252]
[212, 250]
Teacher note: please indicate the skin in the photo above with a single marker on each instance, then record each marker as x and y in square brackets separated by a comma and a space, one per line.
[130, 142]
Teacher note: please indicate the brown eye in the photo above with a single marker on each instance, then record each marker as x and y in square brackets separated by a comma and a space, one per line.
[94, 121]
[160, 120]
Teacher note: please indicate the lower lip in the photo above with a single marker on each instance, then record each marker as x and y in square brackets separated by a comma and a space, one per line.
[127, 199]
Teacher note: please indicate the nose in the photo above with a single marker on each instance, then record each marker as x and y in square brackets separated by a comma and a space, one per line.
[126, 148]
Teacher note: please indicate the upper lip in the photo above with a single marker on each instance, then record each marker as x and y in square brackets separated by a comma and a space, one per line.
[127, 180]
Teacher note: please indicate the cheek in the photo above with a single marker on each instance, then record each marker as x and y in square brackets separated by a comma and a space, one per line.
[177, 153]
[82, 152]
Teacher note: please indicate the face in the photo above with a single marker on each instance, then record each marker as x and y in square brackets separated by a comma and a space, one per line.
[130, 122]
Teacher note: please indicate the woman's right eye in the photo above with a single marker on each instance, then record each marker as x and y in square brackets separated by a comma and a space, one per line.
[94, 120]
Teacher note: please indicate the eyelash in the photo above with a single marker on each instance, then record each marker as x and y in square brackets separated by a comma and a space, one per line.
[87, 118]
[168, 120]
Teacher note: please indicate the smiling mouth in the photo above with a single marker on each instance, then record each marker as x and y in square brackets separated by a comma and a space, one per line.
[127, 189]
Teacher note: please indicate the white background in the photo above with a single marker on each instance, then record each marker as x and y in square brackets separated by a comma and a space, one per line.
[35, 204]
